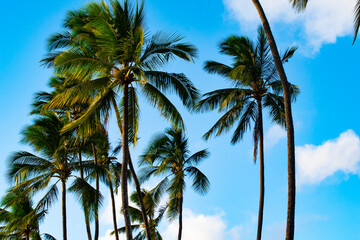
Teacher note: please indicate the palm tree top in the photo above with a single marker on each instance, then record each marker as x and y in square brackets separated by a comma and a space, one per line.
[254, 79]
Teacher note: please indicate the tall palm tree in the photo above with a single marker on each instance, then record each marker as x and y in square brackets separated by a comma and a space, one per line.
[32, 173]
[153, 210]
[82, 142]
[290, 219]
[107, 168]
[168, 154]
[255, 86]
[108, 48]
[20, 220]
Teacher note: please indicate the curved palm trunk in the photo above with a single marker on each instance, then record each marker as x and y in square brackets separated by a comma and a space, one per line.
[262, 177]
[86, 215]
[63, 201]
[113, 208]
[124, 187]
[142, 205]
[136, 181]
[180, 217]
[290, 221]
[97, 186]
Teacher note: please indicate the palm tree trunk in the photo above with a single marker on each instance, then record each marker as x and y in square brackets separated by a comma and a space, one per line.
[124, 186]
[97, 186]
[86, 215]
[142, 205]
[63, 201]
[113, 209]
[134, 176]
[180, 217]
[262, 177]
[290, 221]
[27, 237]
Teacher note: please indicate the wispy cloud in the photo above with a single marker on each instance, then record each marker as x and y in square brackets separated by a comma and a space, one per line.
[322, 22]
[274, 135]
[202, 227]
[316, 163]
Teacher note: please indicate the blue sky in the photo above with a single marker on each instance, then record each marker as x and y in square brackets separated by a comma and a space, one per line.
[325, 116]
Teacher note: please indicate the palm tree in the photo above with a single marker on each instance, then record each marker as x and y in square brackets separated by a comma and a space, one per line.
[21, 220]
[107, 168]
[154, 212]
[168, 154]
[108, 48]
[82, 143]
[32, 173]
[290, 220]
[256, 86]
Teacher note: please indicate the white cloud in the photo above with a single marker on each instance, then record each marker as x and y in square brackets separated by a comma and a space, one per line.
[274, 135]
[315, 163]
[107, 217]
[322, 22]
[202, 227]
[107, 236]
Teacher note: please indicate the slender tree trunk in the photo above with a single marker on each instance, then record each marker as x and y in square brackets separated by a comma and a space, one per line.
[262, 177]
[63, 201]
[124, 186]
[113, 209]
[141, 201]
[136, 181]
[86, 215]
[180, 217]
[290, 221]
[27, 237]
[97, 187]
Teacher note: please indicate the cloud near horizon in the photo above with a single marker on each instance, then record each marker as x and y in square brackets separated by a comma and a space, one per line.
[322, 22]
[315, 163]
[196, 226]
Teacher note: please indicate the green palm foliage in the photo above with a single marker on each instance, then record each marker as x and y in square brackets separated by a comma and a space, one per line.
[20, 220]
[55, 163]
[154, 212]
[253, 76]
[256, 86]
[106, 46]
[168, 154]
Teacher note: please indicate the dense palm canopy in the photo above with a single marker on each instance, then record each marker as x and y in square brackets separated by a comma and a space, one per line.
[168, 155]
[107, 48]
[154, 211]
[54, 164]
[255, 86]
[19, 219]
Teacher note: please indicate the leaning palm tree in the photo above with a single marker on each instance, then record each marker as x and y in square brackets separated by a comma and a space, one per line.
[154, 212]
[20, 220]
[255, 86]
[168, 154]
[32, 173]
[290, 220]
[107, 47]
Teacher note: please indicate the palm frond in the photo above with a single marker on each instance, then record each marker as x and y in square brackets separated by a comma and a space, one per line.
[201, 183]
[166, 108]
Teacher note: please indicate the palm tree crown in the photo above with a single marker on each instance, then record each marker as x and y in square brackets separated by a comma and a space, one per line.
[168, 154]
[254, 79]
[154, 212]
